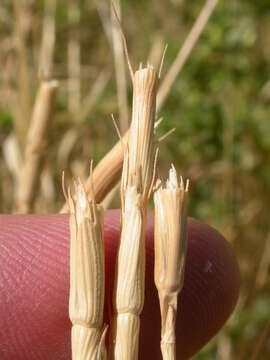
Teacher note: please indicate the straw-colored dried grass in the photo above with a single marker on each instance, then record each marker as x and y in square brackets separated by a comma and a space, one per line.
[170, 254]
[87, 276]
[35, 146]
[135, 188]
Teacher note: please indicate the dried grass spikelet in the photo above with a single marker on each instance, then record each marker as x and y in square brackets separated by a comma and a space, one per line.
[109, 168]
[87, 279]
[129, 289]
[140, 143]
[170, 254]
[136, 185]
[106, 174]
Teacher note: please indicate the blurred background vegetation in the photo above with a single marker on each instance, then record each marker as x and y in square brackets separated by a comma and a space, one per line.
[219, 105]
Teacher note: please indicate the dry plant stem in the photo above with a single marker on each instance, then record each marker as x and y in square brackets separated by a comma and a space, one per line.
[224, 347]
[262, 273]
[35, 146]
[71, 136]
[12, 155]
[105, 17]
[170, 254]
[260, 343]
[21, 31]
[74, 57]
[86, 297]
[119, 64]
[108, 171]
[96, 90]
[185, 51]
[106, 203]
[135, 188]
[156, 51]
[48, 40]
[105, 180]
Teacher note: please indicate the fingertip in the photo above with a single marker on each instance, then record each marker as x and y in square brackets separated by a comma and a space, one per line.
[34, 273]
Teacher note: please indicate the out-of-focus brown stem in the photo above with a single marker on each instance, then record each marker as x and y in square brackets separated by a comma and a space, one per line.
[35, 146]
[48, 40]
[74, 57]
[23, 111]
[119, 64]
[185, 50]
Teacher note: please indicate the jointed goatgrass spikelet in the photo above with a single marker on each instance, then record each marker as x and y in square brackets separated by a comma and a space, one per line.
[135, 188]
[129, 287]
[86, 299]
[108, 171]
[139, 155]
[170, 254]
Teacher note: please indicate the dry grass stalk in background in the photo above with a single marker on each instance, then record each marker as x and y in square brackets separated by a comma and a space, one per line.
[263, 268]
[96, 90]
[119, 64]
[156, 51]
[47, 41]
[35, 146]
[260, 342]
[87, 278]
[22, 28]
[12, 155]
[108, 200]
[170, 254]
[108, 170]
[185, 51]
[106, 174]
[74, 57]
[135, 188]
[70, 138]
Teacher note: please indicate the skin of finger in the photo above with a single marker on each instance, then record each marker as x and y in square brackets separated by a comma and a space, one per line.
[34, 286]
